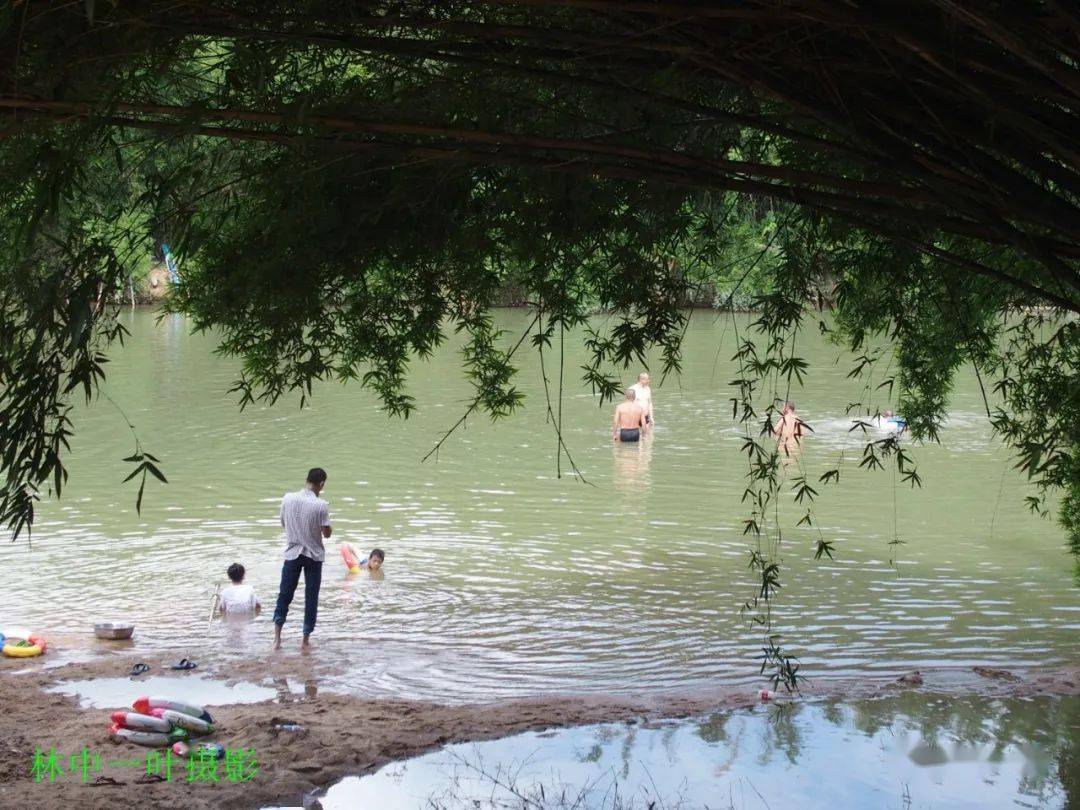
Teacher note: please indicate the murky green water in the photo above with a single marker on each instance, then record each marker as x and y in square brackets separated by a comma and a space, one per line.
[904, 753]
[502, 579]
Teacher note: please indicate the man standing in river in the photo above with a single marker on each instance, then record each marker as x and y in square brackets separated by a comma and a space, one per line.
[629, 420]
[643, 397]
[305, 517]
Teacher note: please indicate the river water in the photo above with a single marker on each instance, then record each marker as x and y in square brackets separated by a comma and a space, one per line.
[502, 579]
[904, 753]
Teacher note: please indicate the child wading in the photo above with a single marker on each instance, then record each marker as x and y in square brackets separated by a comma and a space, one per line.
[238, 599]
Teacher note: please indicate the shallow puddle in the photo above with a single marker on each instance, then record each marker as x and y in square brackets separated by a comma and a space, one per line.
[108, 693]
[905, 752]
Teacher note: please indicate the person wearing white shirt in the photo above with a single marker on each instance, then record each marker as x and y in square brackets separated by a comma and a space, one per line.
[305, 517]
[643, 397]
[238, 599]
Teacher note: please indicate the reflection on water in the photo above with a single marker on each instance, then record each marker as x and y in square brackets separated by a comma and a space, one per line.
[908, 752]
[287, 693]
[631, 468]
[502, 579]
[239, 631]
[117, 693]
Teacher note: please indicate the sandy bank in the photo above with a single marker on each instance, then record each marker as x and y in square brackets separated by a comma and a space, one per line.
[342, 735]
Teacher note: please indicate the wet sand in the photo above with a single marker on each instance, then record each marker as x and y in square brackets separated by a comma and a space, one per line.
[342, 735]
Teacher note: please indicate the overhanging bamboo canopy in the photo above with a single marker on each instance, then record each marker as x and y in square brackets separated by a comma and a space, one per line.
[913, 120]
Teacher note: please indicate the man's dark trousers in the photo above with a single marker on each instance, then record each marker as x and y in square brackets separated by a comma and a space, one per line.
[290, 578]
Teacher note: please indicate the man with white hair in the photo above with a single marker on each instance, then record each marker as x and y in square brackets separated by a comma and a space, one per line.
[643, 397]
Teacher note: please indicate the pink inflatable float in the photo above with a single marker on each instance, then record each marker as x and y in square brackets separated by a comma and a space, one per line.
[351, 562]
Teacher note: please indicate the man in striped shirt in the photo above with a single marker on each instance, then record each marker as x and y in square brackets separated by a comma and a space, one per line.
[305, 517]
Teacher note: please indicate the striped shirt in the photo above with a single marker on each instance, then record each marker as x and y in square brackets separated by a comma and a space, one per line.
[303, 515]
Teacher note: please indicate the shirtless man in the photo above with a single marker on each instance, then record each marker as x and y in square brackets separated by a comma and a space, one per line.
[788, 430]
[643, 397]
[629, 420]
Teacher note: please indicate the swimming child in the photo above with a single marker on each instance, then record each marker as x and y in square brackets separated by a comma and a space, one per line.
[372, 562]
[238, 599]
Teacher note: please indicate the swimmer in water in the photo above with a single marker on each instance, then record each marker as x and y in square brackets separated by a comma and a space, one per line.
[372, 562]
[788, 431]
[629, 421]
[890, 421]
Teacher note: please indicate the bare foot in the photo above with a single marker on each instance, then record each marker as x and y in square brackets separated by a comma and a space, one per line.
[306, 643]
[277, 636]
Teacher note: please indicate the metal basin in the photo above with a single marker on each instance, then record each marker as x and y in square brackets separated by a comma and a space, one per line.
[113, 630]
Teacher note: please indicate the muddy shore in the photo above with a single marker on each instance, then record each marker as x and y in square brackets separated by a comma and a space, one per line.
[341, 735]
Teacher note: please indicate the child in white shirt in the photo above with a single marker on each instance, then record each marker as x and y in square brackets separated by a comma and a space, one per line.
[238, 599]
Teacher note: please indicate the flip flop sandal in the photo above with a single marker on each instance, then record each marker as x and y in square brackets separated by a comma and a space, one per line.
[184, 663]
[138, 670]
[99, 781]
[150, 778]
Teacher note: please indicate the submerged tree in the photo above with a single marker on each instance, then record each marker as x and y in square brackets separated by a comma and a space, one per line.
[346, 181]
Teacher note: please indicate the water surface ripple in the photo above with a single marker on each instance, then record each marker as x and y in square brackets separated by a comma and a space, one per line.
[504, 580]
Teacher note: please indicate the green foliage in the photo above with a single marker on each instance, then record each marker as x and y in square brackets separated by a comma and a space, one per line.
[731, 254]
[1070, 518]
[62, 250]
[344, 186]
